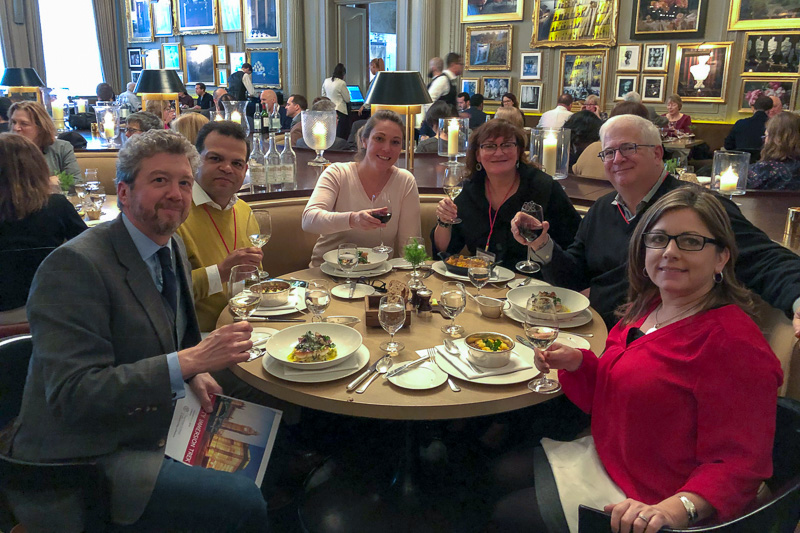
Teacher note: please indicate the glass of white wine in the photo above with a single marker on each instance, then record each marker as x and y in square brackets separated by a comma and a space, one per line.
[479, 276]
[541, 329]
[318, 298]
[452, 301]
[259, 230]
[453, 183]
[244, 294]
[392, 316]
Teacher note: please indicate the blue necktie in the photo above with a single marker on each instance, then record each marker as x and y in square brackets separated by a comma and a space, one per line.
[169, 283]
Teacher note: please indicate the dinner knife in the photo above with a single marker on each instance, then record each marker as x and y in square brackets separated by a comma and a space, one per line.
[273, 319]
[352, 289]
[406, 367]
[356, 382]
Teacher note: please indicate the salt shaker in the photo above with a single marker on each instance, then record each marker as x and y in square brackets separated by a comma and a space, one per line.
[424, 309]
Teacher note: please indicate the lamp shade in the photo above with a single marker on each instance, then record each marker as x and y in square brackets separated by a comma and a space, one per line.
[21, 77]
[398, 88]
[159, 81]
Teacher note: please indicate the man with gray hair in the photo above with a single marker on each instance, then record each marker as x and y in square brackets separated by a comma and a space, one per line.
[338, 143]
[597, 258]
[130, 97]
[141, 122]
[106, 369]
[633, 96]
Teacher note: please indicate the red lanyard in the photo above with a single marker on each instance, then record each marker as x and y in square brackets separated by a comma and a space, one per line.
[235, 229]
[493, 218]
[621, 212]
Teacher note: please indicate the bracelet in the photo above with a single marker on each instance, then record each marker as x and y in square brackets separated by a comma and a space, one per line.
[691, 510]
[442, 224]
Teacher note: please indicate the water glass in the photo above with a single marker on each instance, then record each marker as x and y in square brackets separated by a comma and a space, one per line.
[392, 316]
[452, 301]
[479, 276]
[318, 298]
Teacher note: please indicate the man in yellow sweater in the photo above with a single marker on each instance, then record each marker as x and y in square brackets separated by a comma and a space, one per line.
[216, 231]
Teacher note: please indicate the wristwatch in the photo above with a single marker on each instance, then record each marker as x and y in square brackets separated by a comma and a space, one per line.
[441, 223]
[691, 510]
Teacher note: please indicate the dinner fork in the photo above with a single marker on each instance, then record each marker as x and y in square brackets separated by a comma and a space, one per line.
[450, 382]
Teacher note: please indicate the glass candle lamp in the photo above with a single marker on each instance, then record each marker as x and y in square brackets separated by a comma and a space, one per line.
[453, 133]
[235, 112]
[550, 148]
[730, 172]
[319, 132]
[108, 123]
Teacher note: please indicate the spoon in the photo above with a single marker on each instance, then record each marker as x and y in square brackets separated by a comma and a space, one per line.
[451, 347]
[382, 367]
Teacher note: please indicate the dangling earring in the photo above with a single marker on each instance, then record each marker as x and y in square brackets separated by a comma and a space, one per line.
[517, 163]
[478, 167]
[718, 277]
[644, 272]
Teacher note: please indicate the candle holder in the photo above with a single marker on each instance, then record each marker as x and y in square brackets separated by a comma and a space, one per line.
[59, 110]
[550, 148]
[235, 112]
[791, 231]
[81, 104]
[730, 172]
[453, 134]
[108, 123]
[319, 132]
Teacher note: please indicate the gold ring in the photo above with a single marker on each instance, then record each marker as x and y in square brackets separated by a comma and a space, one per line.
[643, 517]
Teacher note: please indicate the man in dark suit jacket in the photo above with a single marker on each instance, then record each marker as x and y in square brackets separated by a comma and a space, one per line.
[746, 134]
[475, 110]
[115, 342]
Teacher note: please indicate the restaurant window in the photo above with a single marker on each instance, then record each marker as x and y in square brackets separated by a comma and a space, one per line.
[71, 52]
[2, 62]
[383, 33]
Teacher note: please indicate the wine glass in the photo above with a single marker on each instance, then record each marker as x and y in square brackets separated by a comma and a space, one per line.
[392, 316]
[384, 214]
[541, 328]
[347, 257]
[318, 298]
[244, 294]
[453, 183]
[452, 301]
[530, 233]
[259, 230]
[479, 276]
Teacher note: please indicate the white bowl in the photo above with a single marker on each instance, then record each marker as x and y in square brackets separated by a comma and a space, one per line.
[574, 301]
[278, 295]
[374, 259]
[346, 339]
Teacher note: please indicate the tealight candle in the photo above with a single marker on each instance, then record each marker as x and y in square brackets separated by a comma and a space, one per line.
[549, 153]
[320, 132]
[452, 138]
[108, 126]
[58, 112]
[728, 180]
[236, 117]
[81, 105]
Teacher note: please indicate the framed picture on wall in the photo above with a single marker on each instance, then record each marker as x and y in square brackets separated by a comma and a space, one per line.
[488, 47]
[135, 75]
[134, 57]
[163, 21]
[199, 64]
[172, 55]
[470, 85]
[701, 71]
[653, 88]
[582, 73]
[495, 87]
[152, 59]
[531, 68]
[262, 21]
[138, 21]
[230, 15]
[767, 53]
[623, 84]
[679, 19]
[237, 60]
[482, 11]
[530, 96]
[656, 58]
[629, 57]
[575, 23]
[266, 67]
[763, 15]
[222, 53]
[753, 88]
[197, 17]
[222, 77]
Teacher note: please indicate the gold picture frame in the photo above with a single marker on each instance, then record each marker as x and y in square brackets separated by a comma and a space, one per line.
[267, 67]
[494, 87]
[530, 97]
[163, 16]
[199, 64]
[488, 47]
[230, 16]
[654, 88]
[221, 54]
[760, 48]
[554, 25]
[470, 85]
[712, 88]
[184, 28]
[629, 57]
[139, 30]
[785, 89]
[505, 16]
[655, 57]
[737, 19]
[623, 84]
[583, 72]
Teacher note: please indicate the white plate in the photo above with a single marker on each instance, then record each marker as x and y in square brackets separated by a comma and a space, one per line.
[584, 317]
[281, 344]
[421, 377]
[260, 334]
[331, 270]
[568, 339]
[374, 259]
[400, 263]
[514, 283]
[343, 291]
[501, 274]
[279, 371]
[572, 300]
[297, 302]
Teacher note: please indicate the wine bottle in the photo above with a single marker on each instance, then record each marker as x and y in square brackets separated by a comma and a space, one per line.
[257, 119]
[275, 119]
[272, 163]
[289, 164]
[258, 176]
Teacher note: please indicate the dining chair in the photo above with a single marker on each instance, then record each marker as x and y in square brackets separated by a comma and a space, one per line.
[22, 480]
[779, 514]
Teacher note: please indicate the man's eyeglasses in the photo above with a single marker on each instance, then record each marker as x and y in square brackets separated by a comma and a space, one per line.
[130, 131]
[688, 242]
[626, 149]
[492, 147]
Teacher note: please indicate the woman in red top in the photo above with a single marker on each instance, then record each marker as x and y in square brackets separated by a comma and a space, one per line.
[683, 374]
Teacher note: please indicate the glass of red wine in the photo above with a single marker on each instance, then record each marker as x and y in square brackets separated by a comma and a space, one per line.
[382, 210]
[530, 231]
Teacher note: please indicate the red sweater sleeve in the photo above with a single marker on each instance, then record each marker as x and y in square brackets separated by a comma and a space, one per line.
[579, 385]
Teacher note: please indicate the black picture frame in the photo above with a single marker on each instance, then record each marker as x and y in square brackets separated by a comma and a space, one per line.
[671, 26]
[135, 58]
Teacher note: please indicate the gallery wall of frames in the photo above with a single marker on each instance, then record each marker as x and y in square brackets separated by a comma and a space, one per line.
[717, 55]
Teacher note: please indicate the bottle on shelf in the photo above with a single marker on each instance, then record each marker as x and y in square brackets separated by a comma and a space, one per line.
[256, 167]
[289, 165]
[272, 162]
[257, 120]
[265, 121]
[275, 119]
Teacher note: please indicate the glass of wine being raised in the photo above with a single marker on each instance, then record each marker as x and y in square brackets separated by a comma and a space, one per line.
[259, 230]
[453, 182]
[541, 329]
[318, 298]
[382, 210]
[244, 294]
[530, 232]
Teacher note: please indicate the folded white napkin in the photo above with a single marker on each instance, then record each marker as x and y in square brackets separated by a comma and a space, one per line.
[290, 304]
[515, 364]
[343, 368]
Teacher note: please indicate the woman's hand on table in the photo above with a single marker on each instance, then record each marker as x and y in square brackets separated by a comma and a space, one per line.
[558, 357]
[205, 387]
[524, 219]
[446, 210]
[241, 256]
[631, 515]
[364, 219]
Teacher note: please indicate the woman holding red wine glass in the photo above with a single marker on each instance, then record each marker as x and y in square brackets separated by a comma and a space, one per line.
[353, 200]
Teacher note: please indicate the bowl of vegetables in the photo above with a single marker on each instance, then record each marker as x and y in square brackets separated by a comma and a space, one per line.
[489, 349]
[274, 292]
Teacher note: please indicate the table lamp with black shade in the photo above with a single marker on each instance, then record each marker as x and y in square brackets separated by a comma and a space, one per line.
[159, 84]
[404, 93]
[23, 83]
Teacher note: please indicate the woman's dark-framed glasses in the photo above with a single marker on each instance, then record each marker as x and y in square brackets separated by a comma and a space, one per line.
[688, 242]
[492, 147]
[626, 149]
